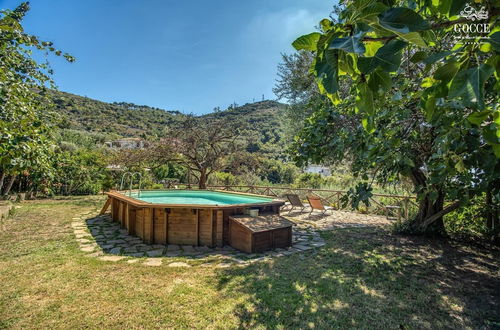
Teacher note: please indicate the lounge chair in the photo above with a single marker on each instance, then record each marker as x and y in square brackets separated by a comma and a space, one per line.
[295, 201]
[316, 204]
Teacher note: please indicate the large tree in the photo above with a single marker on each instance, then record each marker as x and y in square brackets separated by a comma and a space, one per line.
[24, 143]
[426, 97]
[202, 146]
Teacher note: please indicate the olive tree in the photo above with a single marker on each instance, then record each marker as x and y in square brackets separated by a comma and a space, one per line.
[202, 146]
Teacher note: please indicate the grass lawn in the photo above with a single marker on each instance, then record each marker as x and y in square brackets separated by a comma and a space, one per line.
[363, 277]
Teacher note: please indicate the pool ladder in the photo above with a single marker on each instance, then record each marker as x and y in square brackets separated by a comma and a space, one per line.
[132, 175]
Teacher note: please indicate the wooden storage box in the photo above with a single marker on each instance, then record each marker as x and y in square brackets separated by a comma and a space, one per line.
[261, 233]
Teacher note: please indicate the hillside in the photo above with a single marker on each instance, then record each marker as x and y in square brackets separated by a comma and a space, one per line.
[79, 113]
[123, 119]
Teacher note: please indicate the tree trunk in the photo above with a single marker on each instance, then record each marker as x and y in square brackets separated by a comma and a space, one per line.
[492, 218]
[9, 185]
[2, 178]
[428, 219]
[202, 182]
[489, 216]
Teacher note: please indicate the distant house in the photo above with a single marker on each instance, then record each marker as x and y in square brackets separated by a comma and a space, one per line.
[126, 143]
[324, 171]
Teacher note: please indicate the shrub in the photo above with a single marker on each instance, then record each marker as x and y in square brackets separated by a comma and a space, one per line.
[277, 172]
[469, 221]
[309, 180]
[223, 178]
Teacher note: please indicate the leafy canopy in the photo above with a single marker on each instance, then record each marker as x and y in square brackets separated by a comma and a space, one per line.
[24, 143]
[426, 101]
[367, 45]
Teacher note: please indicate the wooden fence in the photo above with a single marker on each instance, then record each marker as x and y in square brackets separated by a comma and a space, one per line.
[397, 206]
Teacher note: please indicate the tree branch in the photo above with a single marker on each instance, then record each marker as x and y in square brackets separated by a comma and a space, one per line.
[441, 213]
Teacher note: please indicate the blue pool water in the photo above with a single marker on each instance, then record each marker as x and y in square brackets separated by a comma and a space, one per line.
[196, 197]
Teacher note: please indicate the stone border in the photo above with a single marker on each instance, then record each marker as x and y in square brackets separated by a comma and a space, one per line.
[101, 238]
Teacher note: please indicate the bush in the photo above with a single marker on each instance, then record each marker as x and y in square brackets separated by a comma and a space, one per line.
[223, 179]
[154, 186]
[466, 223]
[469, 221]
[169, 172]
[79, 173]
[309, 180]
[277, 172]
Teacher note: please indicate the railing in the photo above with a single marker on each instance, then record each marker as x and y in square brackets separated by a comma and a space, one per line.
[398, 206]
[132, 175]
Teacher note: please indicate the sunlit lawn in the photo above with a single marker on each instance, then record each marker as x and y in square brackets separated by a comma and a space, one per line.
[364, 277]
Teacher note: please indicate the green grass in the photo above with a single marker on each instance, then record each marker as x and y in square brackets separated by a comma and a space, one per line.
[363, 277]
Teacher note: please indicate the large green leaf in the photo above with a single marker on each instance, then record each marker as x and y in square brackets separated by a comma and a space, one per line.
[494, 40]
[443, 6]
[496, 149]
[469, 84]
[325, 24]
[490, 134]
[456, 6]
[431, 59]
[307, 41]
[414, 38]
[402, 20]
[447, 71]
[369, 13]
[364, 99]
[429, 107]
[367, 122]
[350, 44]
[387, 57]
[478, 117]
[418, 56]
[326, 71]
[380, 81]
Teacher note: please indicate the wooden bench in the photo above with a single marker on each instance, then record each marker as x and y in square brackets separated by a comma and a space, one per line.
[262, 233]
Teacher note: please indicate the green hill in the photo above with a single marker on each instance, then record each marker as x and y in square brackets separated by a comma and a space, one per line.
[262, 120]
[122, 119]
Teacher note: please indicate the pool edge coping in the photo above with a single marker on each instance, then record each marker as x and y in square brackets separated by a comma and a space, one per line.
[138, 203]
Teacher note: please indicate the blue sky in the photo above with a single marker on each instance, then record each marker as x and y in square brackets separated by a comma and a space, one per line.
[177, 55]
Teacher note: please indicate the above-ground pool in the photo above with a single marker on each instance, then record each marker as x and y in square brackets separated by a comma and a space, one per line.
[197, 197]
[187, 217]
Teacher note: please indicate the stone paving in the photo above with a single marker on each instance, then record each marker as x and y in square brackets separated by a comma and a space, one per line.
[333, 219]
[101, 238]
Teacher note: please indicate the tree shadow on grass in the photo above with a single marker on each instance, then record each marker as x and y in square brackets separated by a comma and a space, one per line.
[367, 278]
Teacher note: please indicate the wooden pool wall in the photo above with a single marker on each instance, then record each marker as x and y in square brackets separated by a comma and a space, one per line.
[199, 225]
